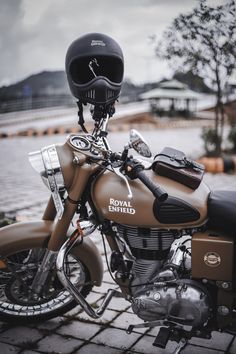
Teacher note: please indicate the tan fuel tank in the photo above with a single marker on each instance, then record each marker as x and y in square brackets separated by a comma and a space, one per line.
[184, 208]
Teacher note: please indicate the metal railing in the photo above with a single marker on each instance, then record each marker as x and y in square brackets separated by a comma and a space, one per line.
[29, 103]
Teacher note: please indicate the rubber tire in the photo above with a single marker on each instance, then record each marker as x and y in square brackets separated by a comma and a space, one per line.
[55, 313]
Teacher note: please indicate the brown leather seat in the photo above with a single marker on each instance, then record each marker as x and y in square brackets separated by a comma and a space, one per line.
[222, 211]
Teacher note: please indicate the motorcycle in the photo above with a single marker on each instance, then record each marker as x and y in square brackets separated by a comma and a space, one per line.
[172, 242]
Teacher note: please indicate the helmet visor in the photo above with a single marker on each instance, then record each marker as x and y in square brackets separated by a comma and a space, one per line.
[85, 69]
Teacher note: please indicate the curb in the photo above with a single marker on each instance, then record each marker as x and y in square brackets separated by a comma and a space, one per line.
[49, 131]
[224, 164]
[137, 121]
[77, 129]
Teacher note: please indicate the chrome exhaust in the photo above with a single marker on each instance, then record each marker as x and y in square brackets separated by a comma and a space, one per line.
[60, 265]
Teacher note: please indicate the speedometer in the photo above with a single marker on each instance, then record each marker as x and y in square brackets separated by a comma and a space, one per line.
[80, 143]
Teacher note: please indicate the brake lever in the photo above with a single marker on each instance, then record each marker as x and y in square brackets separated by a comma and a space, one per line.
[118, 173]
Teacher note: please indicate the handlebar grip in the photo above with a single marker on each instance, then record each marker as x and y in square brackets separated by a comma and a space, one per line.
[156, 190]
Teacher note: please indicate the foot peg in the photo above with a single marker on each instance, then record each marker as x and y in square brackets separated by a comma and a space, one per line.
[144, 325]
[162, 338]
[163, 335]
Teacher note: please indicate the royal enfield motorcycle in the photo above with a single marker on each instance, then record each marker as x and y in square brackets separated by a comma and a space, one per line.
[171, 240]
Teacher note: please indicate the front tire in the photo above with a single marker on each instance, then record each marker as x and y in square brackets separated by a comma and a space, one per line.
[17, 303]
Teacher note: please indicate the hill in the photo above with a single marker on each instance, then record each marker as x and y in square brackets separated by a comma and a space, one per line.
[41, 84]
[50, 88]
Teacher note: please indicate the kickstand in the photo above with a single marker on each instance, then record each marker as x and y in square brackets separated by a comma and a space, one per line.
[180, 345]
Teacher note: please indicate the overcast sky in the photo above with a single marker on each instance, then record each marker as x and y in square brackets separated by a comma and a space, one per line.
[35, 34]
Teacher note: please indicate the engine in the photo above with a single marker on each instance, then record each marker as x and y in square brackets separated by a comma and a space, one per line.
[161, 284]
[148, 244]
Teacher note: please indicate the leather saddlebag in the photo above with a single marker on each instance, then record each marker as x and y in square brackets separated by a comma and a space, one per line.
[173, 164]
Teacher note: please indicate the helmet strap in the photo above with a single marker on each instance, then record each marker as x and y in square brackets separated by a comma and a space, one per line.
[81, 116]
[102, 111]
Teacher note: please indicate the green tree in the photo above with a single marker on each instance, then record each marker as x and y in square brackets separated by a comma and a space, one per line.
[204, 41]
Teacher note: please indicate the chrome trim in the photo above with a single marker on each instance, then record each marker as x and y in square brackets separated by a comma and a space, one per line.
[47, 164]
[61, 272]
[125, 179]
[36, 161]
[55, 178]
[57, 302]
[43, 271]
[82, 140]
[53, 163]
[87, 227]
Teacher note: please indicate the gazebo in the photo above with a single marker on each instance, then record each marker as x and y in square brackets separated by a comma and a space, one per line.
[172, 98]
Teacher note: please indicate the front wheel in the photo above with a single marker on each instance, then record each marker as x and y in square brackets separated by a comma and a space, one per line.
[18, 302]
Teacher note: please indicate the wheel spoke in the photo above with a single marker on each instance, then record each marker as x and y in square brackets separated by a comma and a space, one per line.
[15, 281]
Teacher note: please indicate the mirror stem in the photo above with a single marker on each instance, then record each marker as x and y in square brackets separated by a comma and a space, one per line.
[125, 153]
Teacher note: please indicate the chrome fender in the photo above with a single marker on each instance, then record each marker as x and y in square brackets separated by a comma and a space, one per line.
[23, 235]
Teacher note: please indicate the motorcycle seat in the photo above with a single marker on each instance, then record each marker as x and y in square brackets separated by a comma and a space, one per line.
[222, 211]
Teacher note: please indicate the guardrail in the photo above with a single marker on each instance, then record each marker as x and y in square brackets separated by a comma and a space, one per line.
[28, 103]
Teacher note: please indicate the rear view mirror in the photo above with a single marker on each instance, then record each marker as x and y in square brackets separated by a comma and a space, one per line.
[138, 143]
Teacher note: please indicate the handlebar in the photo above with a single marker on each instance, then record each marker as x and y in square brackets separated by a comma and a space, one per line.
[156, 190]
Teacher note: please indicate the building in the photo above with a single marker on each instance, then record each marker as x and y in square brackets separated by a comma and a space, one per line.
[172, 98]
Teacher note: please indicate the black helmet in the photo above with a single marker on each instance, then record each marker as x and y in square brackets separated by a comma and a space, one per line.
[94, 68]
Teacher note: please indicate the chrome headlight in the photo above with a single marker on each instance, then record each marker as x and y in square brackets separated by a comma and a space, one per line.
[36, 161]
[47, 164]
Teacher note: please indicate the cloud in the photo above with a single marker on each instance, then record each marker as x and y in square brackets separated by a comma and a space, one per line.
[36, 34]
[11, 35]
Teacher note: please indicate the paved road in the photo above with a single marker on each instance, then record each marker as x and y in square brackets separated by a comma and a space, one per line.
[22, 191]
[40, 119]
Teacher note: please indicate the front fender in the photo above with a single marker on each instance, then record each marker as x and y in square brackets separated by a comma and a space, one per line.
[24, 235]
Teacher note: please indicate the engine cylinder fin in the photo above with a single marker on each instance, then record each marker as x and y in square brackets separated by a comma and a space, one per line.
[147, 243]
[143, 267]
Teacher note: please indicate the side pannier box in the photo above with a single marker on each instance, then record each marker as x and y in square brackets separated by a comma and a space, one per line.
[213, 256]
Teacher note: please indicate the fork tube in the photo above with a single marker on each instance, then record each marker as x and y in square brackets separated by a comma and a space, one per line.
[50, 211]
[80, 180]
[58, 235]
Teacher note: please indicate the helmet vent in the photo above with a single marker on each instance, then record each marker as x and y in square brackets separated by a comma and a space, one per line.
[90, 94]
[110, 94]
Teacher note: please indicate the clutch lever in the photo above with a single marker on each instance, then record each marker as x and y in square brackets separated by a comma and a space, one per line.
[118, 173]
[134, 169]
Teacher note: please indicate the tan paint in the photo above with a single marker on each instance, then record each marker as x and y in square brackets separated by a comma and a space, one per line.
[25, 235]
[15, 237]
[221, 247]
[65, 155]
[110, 185]
[50, 211]
[58, 235]
[76, 178]
[82, 174]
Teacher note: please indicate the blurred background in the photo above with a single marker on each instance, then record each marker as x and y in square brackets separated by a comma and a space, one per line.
[171, 91]
[179, 91]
